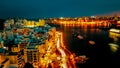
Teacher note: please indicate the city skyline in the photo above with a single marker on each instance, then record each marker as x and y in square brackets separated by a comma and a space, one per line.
[59, 43]
[53, 8]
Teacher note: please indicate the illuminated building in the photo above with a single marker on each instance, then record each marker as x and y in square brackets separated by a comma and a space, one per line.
[2, 58]
[16, 58]
[5, 63]
[15, 49]
[118, 24]
[31, 54]
[41, 22]
[33, 23]
[13, 58]
[51, 32]
[21, 46]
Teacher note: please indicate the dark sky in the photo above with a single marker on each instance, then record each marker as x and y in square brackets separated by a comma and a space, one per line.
[56, 8]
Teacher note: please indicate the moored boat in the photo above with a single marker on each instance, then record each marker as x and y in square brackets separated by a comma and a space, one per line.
[115, 30]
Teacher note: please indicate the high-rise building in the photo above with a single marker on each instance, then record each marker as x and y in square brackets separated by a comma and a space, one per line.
[31, 55]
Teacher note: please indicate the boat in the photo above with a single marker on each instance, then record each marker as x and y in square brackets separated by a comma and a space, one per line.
[80, 37]
[115, 30]
[76, 34]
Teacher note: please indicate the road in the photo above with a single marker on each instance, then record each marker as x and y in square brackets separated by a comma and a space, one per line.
[61, 58]
[67, 60]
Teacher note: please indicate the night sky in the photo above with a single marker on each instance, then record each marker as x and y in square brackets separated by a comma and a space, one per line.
[56, 8]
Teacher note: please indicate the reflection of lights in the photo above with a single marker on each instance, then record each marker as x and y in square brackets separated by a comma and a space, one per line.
[112, 44]
[114, 47]
[113, 35]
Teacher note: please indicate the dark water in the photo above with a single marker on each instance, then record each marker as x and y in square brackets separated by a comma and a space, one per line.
[100, 53]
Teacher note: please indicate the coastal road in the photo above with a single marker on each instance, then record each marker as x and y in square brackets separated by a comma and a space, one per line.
[67, 60]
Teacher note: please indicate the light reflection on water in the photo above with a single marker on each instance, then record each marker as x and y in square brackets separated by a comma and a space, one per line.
[97, 53]
[115, 36]
[88, 33]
